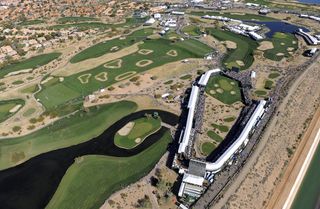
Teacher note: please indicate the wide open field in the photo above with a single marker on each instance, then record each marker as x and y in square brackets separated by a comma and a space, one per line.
[240, 57]
[9, 108]
[94, 178]
[192, 30]
[31, 63]
[118, 70]
[113, 45]
[224, 89]
[283, 43]
[142, 128]
[65, 132]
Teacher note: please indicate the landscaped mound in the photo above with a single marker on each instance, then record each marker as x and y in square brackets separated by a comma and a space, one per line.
[131, 136]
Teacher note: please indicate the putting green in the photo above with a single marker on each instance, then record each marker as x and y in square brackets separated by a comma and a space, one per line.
[172, 53]
[142, 128]
[125, 75]
[227, 90]
[103, 76]
[207, 148]
[145, 51]
[9, 108]
[144, 63]
[84, 78]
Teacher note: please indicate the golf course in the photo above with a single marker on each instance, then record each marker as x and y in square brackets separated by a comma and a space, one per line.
[9, 107]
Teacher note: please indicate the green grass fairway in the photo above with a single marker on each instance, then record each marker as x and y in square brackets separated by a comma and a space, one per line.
[192, 30]
[243, 52]
[31, 22]
[213, 135]
[235, 16]
[90, 182]
[273, 75]
[102, 48]
[260, 93]
[207, 148]
[221, 128]
[30, 63]
[6, 106]
[51, 97]
[268, 84]
[65, 132]
[224, 89]
[229, 119]
[281, 42]
[64, 20]
[142, 128]
[81, 26]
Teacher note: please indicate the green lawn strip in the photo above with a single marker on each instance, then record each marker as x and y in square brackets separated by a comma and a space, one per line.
[274, 75]
[142, 128]
[260, 92]
[235, 16]
[268, 84]
[186, 77]
[281, 42]
[31, 22]
[71, 130]
[229, 119]
[104, 47]
[221, 128]
[90, 182]
[31, 63]
[261, 2]
[64, 20]
[58, 94]
[243, 52]
[29, 112]
[213, 135]
[81, 26]
[17, 82]
[192, 30]
[207, 148]
[7, 105]
[222, 83]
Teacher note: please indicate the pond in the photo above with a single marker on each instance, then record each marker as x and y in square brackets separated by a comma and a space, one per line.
[310, 1]
[32, 184]
[279, 26]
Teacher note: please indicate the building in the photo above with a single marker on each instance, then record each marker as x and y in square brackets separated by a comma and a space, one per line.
[311, 40]
[150, 21]
[255, 36]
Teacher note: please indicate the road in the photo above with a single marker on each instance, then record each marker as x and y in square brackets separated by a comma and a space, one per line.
[260, 147]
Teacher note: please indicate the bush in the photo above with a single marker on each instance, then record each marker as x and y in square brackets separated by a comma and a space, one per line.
[16, 128]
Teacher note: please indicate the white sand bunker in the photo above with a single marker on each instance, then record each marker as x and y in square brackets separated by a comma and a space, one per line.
[103, 76]
[172, 53]
[137, 140]
[240, 62]
[282, 44]
[114, 64]
[15, 108]
[145, 51]
[143, 63]
[125, 130]
[212, 92]
[290, 49]
[114, 48]
[220, 91]
[231, 44]
[125, 75]
[61, 79]
[232, 83]
[46, 80]
[84, 78]
[279, 54]
[216, 85]
[232, 92]
[294, 42]
[265, 45]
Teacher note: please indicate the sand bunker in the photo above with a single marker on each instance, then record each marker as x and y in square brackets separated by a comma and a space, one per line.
[19, 72]
[125, 75]
[212, 92]
[101, 76]
[265, 45]
[145, 51]
[114, 48]
[232, 92]
[289, 49]
[143, 63]
[240, 62]
[216, 85]
[232, 83]
[84, 78]
[125, 130]
[137, 140]
[282, 44]
[231, 44]
[113, 64]
[46, 80]
[279, 54]
[220, 90]
[172, 53]
[15, 108]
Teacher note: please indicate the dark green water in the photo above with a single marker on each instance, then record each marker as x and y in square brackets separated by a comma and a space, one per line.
[308, 196]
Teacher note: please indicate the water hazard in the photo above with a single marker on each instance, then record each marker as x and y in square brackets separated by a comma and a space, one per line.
[32, 184]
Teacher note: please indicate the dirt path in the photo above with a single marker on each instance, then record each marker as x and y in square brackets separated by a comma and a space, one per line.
[286, 191]
[254, 185]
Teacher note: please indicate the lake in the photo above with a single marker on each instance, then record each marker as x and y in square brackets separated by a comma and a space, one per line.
[310, 1]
